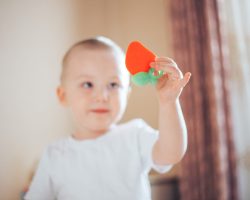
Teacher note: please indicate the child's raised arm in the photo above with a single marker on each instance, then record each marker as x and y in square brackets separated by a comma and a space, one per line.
[172, 142]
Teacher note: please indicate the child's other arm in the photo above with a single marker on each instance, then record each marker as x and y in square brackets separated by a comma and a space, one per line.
[172, 143]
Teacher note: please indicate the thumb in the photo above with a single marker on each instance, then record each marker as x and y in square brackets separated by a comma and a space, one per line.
[185, 79]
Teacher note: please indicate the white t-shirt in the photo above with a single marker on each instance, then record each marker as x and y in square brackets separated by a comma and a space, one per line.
[110, 167]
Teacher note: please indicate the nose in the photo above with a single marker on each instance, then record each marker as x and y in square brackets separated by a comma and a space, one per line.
[101, 95]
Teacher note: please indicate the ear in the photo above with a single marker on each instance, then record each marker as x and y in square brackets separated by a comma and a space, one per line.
[60, 91]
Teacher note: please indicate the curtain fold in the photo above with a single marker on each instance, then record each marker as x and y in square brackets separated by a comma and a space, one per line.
[208, 171]
[238, 33]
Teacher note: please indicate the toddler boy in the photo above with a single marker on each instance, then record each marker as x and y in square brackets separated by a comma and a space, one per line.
[101, 159]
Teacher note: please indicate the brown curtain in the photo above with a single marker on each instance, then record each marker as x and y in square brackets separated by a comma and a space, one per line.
[208, 171]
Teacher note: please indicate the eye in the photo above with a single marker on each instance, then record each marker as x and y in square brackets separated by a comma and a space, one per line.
[87, 85]
[113, 85]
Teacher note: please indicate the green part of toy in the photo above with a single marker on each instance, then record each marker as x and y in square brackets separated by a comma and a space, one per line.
[143, 78]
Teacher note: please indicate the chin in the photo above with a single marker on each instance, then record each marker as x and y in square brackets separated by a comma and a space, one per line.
[102, 124]
[101, 127]
[100, 130]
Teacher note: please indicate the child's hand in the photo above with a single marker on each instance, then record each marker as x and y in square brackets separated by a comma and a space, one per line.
[170, 85]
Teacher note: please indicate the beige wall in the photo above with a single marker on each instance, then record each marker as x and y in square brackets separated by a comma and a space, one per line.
[34, 36]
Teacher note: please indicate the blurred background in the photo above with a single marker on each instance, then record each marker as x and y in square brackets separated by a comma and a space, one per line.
[34, 35]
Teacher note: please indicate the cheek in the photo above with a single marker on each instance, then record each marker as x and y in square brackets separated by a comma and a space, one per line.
[80, 101]
[119, 101]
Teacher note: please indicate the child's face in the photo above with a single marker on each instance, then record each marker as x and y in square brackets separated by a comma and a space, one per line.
[95, 89]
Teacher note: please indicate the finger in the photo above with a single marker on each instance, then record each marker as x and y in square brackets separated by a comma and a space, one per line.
[170, 69]
[161, 65]
[167, 63]
[161, 81]
[185, 79]
[164, 59]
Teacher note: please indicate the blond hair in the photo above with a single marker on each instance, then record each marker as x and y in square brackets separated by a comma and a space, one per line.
[96, 43]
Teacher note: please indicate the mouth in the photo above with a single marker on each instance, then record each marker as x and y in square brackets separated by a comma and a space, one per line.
[100, 111]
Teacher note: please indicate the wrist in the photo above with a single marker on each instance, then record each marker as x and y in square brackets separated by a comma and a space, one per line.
[169, 103]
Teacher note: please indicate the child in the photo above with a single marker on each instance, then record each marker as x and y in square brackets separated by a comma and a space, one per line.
[100, 159]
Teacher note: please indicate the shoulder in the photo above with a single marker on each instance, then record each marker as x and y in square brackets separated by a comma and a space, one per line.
[56, 148]
[134, 124]
[138, 125]
[135, 128]
[124, 132]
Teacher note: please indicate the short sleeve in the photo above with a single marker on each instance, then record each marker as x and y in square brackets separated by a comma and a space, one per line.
[147, 137]
[41, 185]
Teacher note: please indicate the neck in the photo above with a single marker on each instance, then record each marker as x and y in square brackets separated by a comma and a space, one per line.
[78, 135]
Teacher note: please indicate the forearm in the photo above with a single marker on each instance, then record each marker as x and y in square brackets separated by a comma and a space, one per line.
[172, 142]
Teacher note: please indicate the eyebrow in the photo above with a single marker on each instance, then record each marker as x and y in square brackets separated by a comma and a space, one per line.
[84, 76]
[89, 76]
[115, 77]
